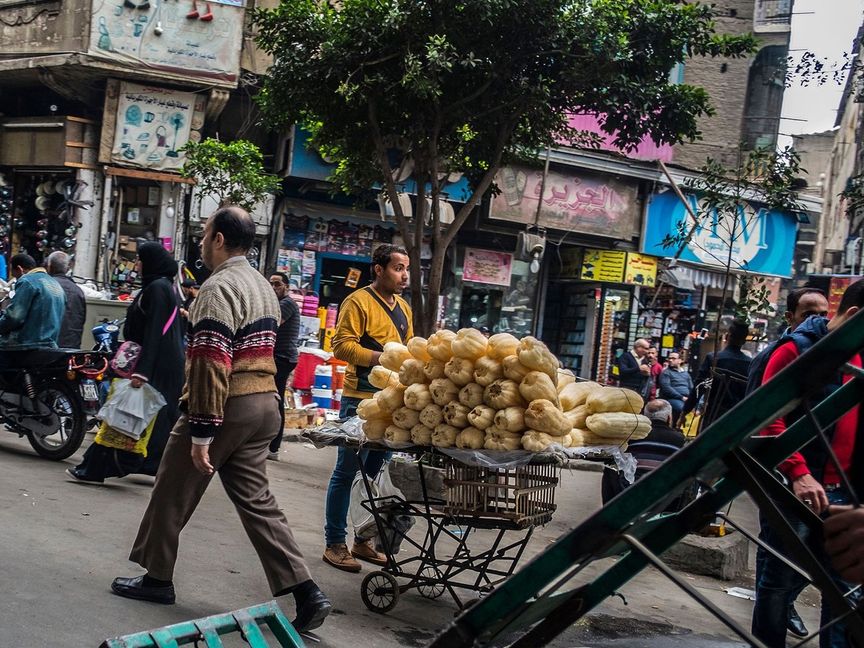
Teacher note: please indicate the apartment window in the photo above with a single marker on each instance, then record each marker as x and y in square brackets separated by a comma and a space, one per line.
[772, 16]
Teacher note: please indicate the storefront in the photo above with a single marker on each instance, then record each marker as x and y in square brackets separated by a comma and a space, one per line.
[585, 292]
[146, 199]
[42, 197]
[588, 316]
[491, 291]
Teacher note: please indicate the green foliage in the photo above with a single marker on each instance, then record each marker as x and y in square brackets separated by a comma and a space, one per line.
[435, 71]
[231, 172]
[469, 85]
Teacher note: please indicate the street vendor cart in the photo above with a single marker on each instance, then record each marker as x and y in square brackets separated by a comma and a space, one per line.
[506, 492]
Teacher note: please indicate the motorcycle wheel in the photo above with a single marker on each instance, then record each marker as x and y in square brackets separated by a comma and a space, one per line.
[64, 402]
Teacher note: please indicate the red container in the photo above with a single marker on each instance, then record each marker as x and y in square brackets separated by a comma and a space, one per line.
[304, 374]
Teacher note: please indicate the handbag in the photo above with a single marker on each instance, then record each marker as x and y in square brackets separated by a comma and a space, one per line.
[126, 359]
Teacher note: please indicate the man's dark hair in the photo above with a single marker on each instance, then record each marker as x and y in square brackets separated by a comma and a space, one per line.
[854, 296]
[23, 260]
[737, 334]
[383, 253]
[794, 296]
[282, 276]
[236, 226]
[189, 283]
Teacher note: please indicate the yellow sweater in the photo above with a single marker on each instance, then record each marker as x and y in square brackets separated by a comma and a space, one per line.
[363, 327]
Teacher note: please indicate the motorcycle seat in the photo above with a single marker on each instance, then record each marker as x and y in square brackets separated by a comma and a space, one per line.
[20, 359]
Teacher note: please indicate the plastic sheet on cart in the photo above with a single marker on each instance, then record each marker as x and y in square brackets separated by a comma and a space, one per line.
[350, 432]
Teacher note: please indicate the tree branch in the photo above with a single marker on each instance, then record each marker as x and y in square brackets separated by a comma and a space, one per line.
[482, 187]
[389, 183]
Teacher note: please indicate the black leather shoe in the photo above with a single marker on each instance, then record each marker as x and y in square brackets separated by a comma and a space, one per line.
[795, 624]
[312, 613]
[134, 588]
[78, 476]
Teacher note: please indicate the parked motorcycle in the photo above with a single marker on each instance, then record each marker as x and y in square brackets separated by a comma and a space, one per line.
[47, 394]
[106, 334]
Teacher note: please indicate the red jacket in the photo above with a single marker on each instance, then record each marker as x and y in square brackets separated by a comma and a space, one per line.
[845, 430]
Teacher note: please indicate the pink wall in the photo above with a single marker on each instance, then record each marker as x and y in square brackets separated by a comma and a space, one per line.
[647, 150]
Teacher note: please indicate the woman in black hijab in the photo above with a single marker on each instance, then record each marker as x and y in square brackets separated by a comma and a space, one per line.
[153, 321]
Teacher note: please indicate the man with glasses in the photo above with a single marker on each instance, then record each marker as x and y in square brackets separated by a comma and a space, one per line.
[675, 385]
[285, 350]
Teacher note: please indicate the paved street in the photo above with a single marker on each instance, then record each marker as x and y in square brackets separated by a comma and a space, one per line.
[63, 543]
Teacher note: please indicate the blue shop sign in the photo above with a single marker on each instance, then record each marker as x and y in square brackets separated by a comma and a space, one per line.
[764, 242]
[306, 162]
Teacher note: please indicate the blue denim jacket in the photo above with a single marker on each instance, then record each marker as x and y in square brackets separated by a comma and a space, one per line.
[35, 315]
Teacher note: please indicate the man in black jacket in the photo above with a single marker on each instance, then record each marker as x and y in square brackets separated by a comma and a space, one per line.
[632, 374]
[661, 443]
[76, 305]
[729, 375]
[285, 352]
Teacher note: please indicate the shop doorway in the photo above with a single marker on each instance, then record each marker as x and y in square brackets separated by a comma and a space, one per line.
[569, 321]
[333, 274]
[481, 309]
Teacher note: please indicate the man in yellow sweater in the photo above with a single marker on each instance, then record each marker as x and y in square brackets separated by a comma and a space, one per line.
[369, 318]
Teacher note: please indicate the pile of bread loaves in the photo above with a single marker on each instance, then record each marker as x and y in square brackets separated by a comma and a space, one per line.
[466, 391]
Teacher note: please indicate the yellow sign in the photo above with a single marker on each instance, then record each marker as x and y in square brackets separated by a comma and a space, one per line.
[603, 265]
[641, 270]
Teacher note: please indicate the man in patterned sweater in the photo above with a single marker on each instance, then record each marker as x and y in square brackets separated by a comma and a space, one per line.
[230, 411]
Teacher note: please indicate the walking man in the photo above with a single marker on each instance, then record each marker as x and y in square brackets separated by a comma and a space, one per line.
[76, 305]
[285, 351]
[813, 479]
[368, 319]
[230, 412]
[632, 374]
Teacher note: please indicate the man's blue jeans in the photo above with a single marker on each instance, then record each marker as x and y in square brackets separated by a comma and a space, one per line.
[777, 586]
[339, 489]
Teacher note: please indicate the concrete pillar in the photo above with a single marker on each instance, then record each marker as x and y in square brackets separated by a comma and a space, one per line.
[87, 248]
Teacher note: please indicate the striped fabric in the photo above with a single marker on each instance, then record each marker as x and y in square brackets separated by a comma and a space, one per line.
[230, 353]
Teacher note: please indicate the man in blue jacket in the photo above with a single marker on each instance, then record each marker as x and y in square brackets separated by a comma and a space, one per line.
[34, 317]
[675, 385]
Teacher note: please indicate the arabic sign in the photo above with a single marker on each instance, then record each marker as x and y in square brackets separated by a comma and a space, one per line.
[756, 227]
[641, 270]
[487, 266]
[153, 124]
[571, 202]
[603, 265]
[836, 288]
[200, 40]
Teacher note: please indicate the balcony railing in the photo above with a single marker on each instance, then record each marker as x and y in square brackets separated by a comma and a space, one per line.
[772, 15]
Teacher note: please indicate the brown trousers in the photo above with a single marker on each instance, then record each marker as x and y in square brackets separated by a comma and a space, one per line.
[239, 454]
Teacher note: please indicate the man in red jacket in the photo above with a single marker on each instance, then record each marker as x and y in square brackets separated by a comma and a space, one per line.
[813, 479]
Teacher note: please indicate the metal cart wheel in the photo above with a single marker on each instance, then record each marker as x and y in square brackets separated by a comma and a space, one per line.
[434, 587]
[380, 592]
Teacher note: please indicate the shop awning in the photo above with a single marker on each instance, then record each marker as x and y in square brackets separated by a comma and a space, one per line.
[699, 278]
[677, 277]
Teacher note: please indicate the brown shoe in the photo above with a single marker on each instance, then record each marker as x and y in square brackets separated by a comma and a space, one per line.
[339, 557]
[365, 551]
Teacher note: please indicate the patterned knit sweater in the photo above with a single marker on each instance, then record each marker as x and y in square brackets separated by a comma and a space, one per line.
[233, 329]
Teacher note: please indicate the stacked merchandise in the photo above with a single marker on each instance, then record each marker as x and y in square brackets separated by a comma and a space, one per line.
[44, 219]
[460, 389]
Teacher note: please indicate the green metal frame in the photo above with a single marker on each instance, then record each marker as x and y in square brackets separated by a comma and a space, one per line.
[529, 609]
[210, 629]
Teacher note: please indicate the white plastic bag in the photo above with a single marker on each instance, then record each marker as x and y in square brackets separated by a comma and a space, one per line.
[129, 410]
[361, 519]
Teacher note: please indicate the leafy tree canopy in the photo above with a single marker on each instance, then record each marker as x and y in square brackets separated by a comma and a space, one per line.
[231, 172]
[465, 86]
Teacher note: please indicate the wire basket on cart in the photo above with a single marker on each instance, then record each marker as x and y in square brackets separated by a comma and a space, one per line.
[524, 495]
[504, 503]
